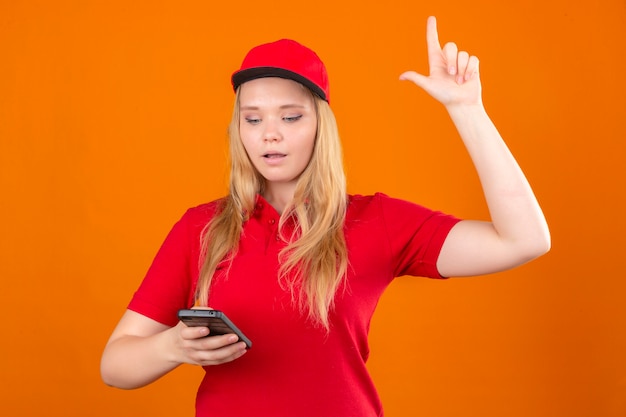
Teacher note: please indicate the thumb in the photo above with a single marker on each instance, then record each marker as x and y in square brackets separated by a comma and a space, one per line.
[418, 79]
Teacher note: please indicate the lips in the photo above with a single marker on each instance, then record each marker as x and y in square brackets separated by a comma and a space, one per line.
[274, 155]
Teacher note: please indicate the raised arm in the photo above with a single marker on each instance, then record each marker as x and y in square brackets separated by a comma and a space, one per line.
[518, 231]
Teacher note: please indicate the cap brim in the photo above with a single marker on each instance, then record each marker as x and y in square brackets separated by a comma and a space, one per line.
[250, 74]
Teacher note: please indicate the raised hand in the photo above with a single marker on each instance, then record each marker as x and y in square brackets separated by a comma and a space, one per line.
[453, 78]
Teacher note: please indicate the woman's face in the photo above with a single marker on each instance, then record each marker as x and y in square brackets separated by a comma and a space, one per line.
[278, 126]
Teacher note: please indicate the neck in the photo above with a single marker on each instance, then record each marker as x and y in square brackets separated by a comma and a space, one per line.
[279, 196]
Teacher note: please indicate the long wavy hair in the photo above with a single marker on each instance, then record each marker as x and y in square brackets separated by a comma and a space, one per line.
[314, 262]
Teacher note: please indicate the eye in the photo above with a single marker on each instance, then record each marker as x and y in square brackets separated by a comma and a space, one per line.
[292, 119]
[252, 120]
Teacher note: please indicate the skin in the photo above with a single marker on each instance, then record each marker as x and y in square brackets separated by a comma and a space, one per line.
[518, 231]
[142, 350]
[278, 125]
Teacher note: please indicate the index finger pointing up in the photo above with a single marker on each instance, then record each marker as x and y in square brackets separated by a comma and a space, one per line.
[432, 38]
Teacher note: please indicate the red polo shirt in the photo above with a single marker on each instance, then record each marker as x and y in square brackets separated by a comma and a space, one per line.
[293, 367]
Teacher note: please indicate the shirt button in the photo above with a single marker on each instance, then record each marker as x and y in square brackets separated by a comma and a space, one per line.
[277, 237]
[272, 221]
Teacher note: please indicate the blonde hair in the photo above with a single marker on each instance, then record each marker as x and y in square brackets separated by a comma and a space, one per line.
[315, 258]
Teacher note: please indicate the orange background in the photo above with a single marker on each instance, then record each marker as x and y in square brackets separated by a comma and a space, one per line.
[112, 122]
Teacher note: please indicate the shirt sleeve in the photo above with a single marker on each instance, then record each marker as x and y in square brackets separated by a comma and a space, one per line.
[169, 284]
[415, 235]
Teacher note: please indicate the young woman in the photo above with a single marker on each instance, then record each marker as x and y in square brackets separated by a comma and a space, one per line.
[297, 263]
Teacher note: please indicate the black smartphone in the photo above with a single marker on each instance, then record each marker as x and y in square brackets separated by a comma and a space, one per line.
[215, 320]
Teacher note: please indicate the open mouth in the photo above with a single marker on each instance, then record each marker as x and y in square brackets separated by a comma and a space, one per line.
[274, 155]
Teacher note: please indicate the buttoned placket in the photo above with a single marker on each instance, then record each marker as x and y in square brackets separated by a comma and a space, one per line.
[274, 228]
[269, 220]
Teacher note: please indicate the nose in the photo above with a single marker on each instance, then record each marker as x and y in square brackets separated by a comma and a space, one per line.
[271, 132]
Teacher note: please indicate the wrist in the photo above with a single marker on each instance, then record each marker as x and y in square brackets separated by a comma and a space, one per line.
[465, 112]
[169, 347]
[465, 108]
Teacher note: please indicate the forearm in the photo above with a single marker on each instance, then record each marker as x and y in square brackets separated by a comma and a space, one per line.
[131, 362]
[514, 210]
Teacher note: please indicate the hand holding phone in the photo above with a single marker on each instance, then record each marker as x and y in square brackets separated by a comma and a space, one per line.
[217, 322]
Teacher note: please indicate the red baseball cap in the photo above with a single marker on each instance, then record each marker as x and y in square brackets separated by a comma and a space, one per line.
[284, 58]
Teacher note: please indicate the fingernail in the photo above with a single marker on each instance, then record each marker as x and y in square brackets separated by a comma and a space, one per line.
[233, 338]
[452, 70]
